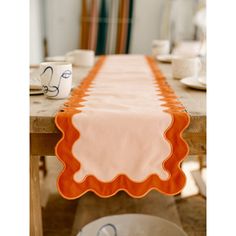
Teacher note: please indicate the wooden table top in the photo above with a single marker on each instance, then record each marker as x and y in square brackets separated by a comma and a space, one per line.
[43, 110]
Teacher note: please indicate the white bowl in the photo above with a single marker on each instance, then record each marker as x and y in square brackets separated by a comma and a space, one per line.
[81, 57]
[55, 59]
[131, 225]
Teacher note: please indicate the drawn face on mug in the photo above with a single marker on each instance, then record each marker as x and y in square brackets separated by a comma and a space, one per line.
[56, 79]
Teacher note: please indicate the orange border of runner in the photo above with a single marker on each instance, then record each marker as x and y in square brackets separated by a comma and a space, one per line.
[70, 189]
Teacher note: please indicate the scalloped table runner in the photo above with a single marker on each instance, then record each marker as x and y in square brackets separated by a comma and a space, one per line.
[122, 130]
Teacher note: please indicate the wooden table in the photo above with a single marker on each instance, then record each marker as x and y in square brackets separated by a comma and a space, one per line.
[44, 134]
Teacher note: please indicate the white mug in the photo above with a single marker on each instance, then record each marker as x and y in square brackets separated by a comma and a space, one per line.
[185, 67]
[56, 79]
[160, 47]
[81, 57]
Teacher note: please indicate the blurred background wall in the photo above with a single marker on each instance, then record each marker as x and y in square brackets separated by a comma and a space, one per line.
[55, 25]
[62, 25]
[36, 32]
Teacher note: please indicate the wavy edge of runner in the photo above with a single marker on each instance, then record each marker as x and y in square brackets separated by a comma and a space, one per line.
[70, 189]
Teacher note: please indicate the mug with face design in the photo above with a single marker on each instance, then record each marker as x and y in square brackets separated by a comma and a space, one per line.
[185, 67]
[56, 79]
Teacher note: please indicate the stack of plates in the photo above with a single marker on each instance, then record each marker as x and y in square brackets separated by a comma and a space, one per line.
[165, 58]
[36, 91]
[35, 85]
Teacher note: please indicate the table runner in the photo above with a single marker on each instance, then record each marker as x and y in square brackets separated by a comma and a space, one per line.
[122, 130]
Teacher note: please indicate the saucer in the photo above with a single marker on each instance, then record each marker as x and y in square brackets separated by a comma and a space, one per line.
[36, 91]
[35, 83]
[193, 82]
[202, 80]
[165, 58]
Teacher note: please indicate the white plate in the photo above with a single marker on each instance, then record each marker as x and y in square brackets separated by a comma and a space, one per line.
[193, 82]
[202, 80]
[36, 92]
[131, 225]
[35, 83]
[166, 58]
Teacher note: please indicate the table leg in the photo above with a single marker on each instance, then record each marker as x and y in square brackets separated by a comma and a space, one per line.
[36, 228]
[201, 162]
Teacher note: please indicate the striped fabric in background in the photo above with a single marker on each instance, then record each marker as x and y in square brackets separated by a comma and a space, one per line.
[102, 29]
[84, 26]
[93, 25]
[106, 26]
[122, 26]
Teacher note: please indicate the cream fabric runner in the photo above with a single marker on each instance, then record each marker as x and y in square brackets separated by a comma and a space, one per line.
[122, 130]
[122, 123]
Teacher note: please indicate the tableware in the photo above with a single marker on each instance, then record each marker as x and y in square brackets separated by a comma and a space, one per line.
[165, 58]
[185, 67]
[36, 92]
[202, 80]
[187, 48]
[160, 47]
[56, 58]
[131, 225]
[56, 79]
[193, 82]
[35, 83]
[81, 57]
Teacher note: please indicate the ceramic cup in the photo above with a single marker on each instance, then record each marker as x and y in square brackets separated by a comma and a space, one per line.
[185, 67]
[56, 79]
[81, 57]
[160, 47]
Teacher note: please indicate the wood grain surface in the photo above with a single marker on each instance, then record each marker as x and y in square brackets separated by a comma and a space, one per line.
[43, 111]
